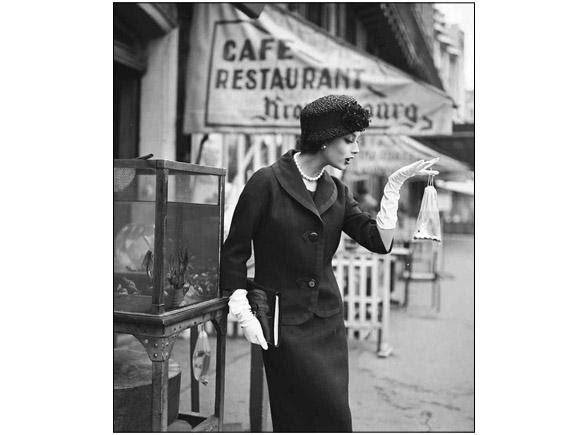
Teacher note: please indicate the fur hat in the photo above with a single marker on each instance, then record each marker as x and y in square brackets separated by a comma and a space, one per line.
[331, 116]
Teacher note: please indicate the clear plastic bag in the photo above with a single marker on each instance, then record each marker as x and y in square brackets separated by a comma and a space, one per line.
[201, 357]
[428, 225]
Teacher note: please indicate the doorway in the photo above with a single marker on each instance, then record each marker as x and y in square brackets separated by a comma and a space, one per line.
[127, 87]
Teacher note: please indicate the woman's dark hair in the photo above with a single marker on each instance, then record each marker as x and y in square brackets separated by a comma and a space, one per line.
[309, 147]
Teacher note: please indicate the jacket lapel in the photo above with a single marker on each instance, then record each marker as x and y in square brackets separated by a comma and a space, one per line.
[326, 193]
[287, 174]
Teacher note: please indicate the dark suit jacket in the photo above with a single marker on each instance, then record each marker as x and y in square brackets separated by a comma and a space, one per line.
[294, 238]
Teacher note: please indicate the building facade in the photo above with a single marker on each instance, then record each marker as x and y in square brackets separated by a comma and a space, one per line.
[153, 41]
[146, 52]
[448, 55]
[151, 44]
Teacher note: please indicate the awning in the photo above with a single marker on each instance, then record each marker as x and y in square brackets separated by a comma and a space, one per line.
[252, 10]
[465, 187]
[383, 154]
[255, 76]
[460, 145]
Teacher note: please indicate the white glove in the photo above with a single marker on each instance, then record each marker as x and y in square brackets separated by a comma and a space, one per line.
[386, 218]
[240, 308]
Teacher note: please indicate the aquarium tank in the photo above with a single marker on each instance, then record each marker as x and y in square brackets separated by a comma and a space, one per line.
[168, 220]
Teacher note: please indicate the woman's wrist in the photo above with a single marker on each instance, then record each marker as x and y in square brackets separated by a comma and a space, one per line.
[239, 306]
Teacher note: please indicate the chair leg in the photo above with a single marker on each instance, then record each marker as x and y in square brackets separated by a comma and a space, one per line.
[380, 315]
[407, 274]
[437, 285]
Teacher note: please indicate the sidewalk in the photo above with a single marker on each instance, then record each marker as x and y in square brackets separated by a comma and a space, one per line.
[427, 384]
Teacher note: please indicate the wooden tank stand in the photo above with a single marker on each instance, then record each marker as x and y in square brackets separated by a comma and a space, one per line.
[157, 334]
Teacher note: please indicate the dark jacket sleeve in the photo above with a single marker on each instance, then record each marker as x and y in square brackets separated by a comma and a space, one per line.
[249, 212]
[361, 227]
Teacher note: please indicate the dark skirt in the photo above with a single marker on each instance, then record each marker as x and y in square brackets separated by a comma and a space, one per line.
[308, 377]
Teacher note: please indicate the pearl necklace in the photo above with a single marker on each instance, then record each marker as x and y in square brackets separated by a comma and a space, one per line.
[306, 177]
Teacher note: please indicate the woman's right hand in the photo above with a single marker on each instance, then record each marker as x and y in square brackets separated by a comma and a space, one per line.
[240, 308]
[253, 332]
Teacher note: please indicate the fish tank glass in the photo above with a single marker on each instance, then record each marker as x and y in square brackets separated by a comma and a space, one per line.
[167, 234]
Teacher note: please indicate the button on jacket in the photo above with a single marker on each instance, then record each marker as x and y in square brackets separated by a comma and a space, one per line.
[294, 238]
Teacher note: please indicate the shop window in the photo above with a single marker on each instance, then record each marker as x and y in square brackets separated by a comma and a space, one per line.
[134, 25]
[329, 16]
[354, 31]
[340, 19]
[316, 14]
[126, 111]
[129, 65]
[350, 24]
[128, 47]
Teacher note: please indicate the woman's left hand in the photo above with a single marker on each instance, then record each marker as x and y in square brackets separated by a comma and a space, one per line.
[421, 167]
[386, 217]
[417, 168]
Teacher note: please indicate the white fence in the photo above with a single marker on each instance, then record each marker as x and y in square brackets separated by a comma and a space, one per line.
[364, 282]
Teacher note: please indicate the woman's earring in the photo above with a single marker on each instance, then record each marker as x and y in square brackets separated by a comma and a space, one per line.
[324, 147]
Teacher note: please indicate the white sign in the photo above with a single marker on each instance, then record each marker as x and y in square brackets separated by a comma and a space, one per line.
[255, 76]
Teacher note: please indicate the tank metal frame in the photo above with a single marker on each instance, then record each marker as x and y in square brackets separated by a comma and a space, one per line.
[158, 331]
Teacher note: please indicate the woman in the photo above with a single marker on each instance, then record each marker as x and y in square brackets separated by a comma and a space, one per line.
[294, 213]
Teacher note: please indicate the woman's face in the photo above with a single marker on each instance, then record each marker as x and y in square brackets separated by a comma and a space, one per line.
[342, 150]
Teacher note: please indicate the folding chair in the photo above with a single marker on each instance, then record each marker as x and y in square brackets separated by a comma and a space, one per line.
[422, 265]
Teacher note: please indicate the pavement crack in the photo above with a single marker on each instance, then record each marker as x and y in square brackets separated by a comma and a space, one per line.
[386, 397]
[443, 405]
[412, 387]
[402, 408]
[383, 395]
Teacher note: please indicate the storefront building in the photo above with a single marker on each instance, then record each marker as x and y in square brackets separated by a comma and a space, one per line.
[145, 79]
[223, 84]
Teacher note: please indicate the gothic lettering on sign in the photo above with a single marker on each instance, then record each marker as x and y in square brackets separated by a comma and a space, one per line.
[275, 108]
